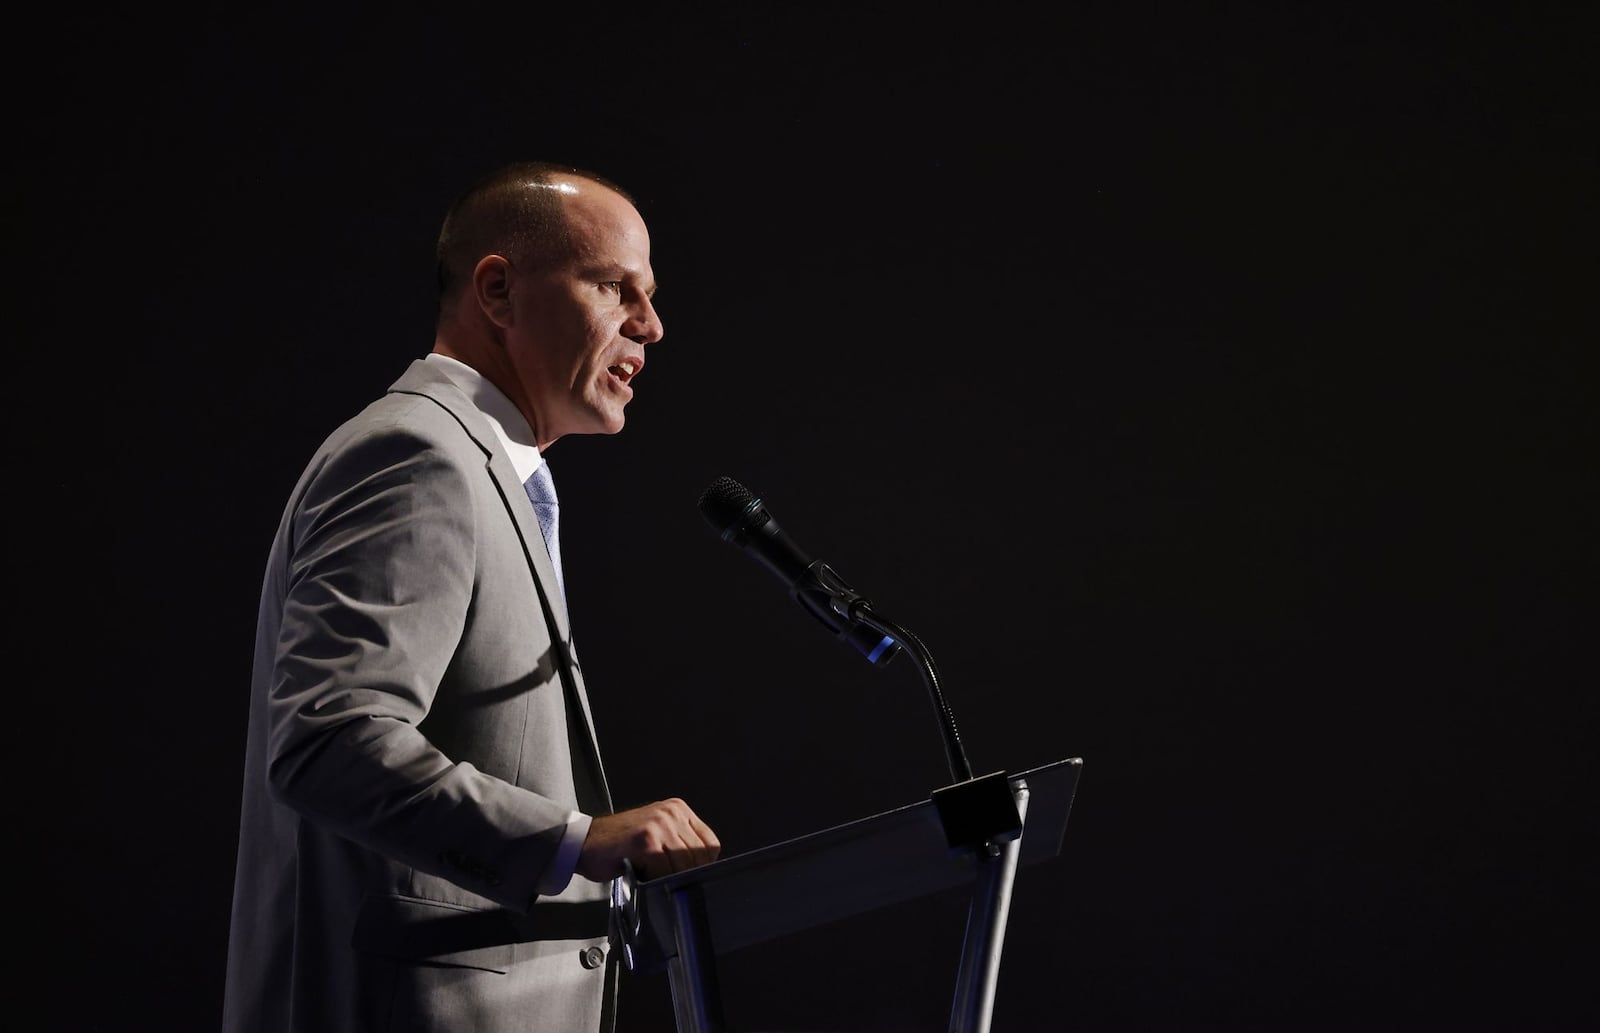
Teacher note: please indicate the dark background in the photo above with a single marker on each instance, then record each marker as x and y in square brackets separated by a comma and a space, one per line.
[1206, 386]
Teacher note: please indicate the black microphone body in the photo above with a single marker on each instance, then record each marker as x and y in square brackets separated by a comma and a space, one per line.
[743, 520]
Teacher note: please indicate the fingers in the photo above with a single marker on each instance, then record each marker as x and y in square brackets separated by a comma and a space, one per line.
[659, 838]
[707, 846]
[675, 839]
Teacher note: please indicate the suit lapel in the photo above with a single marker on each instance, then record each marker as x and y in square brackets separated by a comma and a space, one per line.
[585, 743]
[422, 379]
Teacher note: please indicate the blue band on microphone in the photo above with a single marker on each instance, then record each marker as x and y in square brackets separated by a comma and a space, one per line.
[887, 643]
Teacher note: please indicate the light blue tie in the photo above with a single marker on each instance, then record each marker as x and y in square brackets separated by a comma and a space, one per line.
[541, 491]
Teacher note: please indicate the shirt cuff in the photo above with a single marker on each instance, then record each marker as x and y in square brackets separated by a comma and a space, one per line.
[559, 871]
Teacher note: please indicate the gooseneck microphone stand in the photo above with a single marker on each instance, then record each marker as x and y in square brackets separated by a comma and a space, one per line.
[960, 770]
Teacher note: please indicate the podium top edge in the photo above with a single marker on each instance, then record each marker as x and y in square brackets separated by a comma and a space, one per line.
[666, 883]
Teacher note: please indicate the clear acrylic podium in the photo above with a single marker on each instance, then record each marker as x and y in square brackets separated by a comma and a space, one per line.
[976, 832]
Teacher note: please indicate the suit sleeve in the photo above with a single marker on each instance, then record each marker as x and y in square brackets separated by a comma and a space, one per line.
[376, 592]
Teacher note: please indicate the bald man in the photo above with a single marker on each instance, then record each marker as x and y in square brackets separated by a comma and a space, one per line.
[427, 838]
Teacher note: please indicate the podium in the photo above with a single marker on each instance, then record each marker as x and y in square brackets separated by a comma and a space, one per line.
[975, 832]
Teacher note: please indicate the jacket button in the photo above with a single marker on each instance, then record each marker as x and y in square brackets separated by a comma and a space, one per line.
[592, 957]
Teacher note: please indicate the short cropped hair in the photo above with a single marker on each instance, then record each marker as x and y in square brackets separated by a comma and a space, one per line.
[514, 211]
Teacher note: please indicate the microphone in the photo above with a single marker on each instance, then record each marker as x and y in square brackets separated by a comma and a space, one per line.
[741, 518]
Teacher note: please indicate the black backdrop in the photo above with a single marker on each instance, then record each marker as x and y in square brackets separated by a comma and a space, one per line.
[1205, 388]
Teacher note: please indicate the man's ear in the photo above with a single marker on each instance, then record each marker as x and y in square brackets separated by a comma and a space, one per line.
[491, 289]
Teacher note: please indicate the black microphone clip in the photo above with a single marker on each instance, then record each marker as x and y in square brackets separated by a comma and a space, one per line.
[841, 608]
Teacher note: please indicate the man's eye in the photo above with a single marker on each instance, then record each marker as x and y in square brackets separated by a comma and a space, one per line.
[611, 285]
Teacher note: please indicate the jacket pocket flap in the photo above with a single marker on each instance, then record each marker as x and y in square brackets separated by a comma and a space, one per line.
[425, 931]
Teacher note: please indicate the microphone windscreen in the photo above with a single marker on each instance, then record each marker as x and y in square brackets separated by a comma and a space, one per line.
[725, 502]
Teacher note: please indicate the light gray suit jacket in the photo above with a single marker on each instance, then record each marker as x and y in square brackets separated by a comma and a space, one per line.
[418, 732]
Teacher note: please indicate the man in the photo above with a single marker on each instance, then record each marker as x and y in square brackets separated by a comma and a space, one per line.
[426, 834]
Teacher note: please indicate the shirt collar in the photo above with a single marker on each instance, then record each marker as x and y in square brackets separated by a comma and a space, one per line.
[510, 427]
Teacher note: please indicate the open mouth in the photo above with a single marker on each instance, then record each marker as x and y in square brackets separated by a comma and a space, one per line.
[623, 371]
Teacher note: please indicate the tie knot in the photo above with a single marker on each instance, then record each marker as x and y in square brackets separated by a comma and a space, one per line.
[540, 487]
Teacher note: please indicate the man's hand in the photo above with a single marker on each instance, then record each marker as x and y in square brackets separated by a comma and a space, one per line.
[659, 838]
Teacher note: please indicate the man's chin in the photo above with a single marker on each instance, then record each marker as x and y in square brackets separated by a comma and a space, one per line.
[608, 422]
